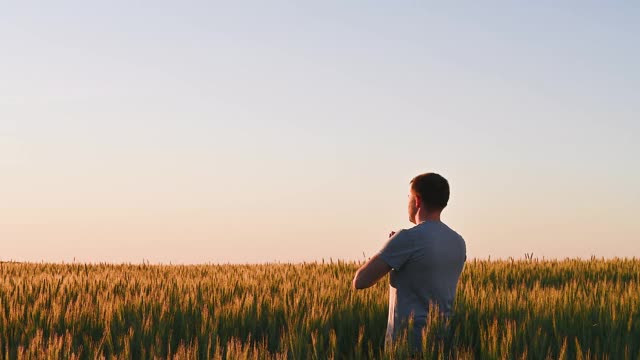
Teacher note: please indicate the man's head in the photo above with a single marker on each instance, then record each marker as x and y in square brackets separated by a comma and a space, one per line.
[429, 193]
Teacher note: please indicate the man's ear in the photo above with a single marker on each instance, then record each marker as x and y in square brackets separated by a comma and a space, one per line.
[418, 201]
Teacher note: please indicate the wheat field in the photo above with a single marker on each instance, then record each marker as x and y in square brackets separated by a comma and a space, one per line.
[516, 309]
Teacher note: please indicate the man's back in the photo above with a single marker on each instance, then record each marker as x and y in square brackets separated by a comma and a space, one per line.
[427, 260]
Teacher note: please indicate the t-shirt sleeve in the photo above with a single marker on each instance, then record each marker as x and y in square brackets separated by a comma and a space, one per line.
[397, 250]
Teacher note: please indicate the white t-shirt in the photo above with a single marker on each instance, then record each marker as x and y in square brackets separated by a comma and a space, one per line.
[427, 260]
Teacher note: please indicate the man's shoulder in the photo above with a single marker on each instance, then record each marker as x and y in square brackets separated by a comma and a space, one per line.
[433, 229]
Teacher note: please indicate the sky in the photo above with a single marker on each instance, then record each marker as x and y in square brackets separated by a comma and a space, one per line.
[249, 132]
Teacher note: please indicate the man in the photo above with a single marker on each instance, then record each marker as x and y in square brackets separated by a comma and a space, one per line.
[425, 261]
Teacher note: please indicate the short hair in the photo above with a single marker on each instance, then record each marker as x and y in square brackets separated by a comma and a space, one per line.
[433, 189]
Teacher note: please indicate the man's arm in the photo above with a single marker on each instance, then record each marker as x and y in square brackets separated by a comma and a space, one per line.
[370, 273]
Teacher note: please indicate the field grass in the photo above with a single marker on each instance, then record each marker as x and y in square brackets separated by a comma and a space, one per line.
[504, 310]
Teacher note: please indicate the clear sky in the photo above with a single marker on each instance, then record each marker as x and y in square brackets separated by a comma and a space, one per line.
[193, 132]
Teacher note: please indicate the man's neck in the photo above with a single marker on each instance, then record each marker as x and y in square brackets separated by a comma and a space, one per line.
[427, 216]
